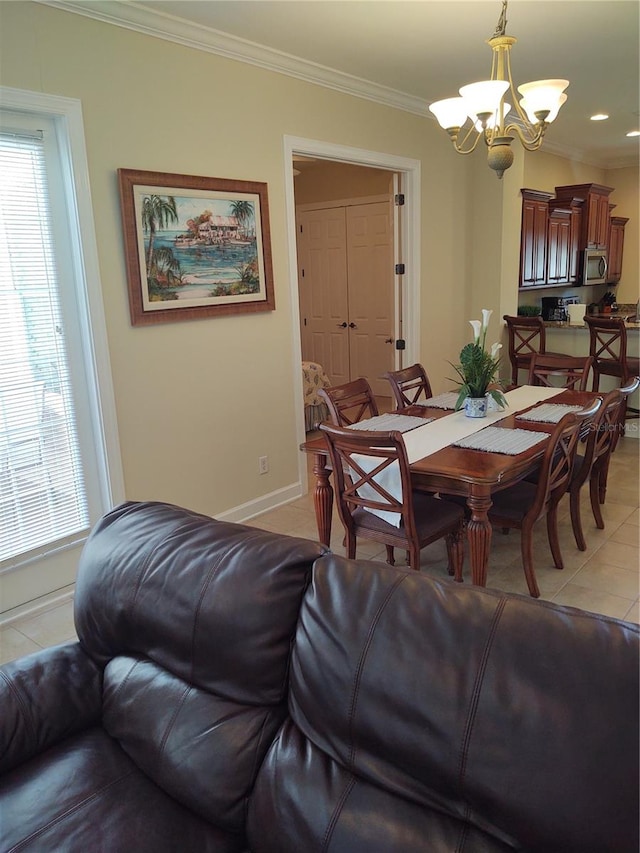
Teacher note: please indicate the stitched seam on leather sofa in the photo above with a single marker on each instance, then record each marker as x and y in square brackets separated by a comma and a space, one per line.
[326, 840]
[69, 811]
[24, 707]
[165, 737]
[475, 696]
[360, 667]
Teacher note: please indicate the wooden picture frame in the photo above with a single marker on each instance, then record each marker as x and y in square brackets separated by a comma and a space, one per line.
[195, 247]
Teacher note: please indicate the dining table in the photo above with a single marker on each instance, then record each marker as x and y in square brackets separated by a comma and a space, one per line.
[438, 465]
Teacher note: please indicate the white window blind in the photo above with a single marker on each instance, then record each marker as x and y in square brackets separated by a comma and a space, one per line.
[42, 490]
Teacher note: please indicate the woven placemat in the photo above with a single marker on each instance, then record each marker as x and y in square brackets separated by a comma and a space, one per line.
[548, 413]
[499, 440]
[386, 423]
[442, 401]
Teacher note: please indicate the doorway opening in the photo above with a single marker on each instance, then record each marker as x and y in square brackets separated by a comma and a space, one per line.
[399, 176]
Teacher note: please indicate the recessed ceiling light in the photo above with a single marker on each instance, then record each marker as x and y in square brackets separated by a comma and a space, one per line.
[634, 133]
[599, 117]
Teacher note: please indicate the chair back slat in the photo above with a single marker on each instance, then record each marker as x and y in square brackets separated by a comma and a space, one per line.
[350, 403]
[558, 371]
[409, 385]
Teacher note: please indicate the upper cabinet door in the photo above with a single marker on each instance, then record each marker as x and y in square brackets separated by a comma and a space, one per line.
[533, 242]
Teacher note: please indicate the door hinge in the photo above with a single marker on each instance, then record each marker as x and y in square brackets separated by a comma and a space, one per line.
[399, 269]
[398, 199]
[400, 343]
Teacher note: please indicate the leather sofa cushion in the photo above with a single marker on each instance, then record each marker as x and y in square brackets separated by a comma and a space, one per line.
[85, 794]
[494, 710]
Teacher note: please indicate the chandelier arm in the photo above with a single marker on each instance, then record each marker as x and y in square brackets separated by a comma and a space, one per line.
[529, 144]
[459, 146]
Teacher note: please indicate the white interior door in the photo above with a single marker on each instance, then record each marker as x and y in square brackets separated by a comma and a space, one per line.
[370, 283]
[323, 291]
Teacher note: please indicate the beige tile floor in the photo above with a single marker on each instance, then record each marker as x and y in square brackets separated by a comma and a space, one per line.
[602, 579]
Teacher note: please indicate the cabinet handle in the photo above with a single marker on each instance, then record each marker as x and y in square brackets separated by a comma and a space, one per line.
[352, 326]
[342, 325]
[388, 340]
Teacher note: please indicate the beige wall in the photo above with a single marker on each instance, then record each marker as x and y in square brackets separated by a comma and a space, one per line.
[327, 181]
[199, 401]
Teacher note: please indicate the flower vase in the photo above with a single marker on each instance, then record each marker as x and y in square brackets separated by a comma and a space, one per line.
[475, 407]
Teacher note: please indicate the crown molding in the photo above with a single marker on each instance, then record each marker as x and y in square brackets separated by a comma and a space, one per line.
[160, 25]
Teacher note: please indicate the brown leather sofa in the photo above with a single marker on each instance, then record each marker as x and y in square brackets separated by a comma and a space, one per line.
[236, 690]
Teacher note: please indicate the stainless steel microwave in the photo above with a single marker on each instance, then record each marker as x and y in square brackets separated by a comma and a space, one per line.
[595, 266]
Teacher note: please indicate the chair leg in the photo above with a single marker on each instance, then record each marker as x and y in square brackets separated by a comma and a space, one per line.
[576, 519]
[594, 494]
[414, 558]
[455, 553]
[526, 548]
[552, 533]
[350, 545]
[390, 558]
[603, 473]
[514, 373]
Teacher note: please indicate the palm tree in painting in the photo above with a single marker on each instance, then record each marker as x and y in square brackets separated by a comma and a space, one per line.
[157, 212]
[243, 212]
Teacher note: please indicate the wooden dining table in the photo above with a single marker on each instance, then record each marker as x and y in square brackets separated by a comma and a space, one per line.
[473, 474]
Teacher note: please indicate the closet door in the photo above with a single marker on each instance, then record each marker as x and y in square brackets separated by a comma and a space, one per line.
[323, 291]
[370, 281]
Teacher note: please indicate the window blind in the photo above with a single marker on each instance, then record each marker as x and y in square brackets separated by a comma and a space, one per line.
[43, 499]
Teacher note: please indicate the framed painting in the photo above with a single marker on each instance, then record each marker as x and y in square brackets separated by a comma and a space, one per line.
[195, 247]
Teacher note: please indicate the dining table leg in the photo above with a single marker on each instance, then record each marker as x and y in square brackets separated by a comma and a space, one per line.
[323, 497]
[479, 537]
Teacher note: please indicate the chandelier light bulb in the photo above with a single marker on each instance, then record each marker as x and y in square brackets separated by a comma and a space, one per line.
[543, 96]
[451, 112]
[530, 111]
[484, 97]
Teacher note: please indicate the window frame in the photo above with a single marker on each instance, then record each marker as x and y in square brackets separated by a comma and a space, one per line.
[95, 404]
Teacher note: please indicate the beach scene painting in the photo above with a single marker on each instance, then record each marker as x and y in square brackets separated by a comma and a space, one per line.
[195, 248]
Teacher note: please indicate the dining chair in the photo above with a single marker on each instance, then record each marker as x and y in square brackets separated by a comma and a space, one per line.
[521, 505]
[608, 348]
[561, 371]
[526, 337]
[409, 385]
[350, 402]
[375, 499]
[593, 464]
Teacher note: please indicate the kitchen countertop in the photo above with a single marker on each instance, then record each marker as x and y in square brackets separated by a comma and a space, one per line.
[554, 324]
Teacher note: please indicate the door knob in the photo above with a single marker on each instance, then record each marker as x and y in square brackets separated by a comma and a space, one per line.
[342, 325]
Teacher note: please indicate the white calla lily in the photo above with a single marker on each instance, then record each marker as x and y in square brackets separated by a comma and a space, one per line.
[477, 327]
[486, 316]
[495, 349]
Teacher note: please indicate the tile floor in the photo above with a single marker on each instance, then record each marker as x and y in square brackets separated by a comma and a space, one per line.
[603, 579]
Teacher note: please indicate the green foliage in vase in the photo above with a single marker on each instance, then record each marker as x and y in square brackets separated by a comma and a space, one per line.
[478, 368]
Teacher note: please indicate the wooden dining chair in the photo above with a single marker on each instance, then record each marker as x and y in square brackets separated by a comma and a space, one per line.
[409, 385]
[526, 337]
[608, 348]
[521, 505]
[350, 402]
[560, 371]
[371, 472]
[593, 464]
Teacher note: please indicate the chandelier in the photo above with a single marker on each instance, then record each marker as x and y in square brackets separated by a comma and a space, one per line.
[484, 105]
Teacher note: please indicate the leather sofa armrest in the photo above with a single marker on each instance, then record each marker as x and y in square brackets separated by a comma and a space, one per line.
[45, 697]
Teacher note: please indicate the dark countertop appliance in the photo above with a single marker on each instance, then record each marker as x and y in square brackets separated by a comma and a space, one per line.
[554, 308]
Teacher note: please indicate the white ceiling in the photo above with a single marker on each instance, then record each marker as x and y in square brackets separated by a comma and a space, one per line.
[412, 52]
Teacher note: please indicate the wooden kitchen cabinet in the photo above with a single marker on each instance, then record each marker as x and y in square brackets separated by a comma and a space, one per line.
[616, 246]
[595, 212]
[558, 238]
[533, 243]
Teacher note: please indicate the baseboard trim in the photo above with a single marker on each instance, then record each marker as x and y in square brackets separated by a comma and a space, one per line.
[37, 605]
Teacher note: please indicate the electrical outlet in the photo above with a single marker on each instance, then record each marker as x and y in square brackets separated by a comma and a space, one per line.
[263, 464]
